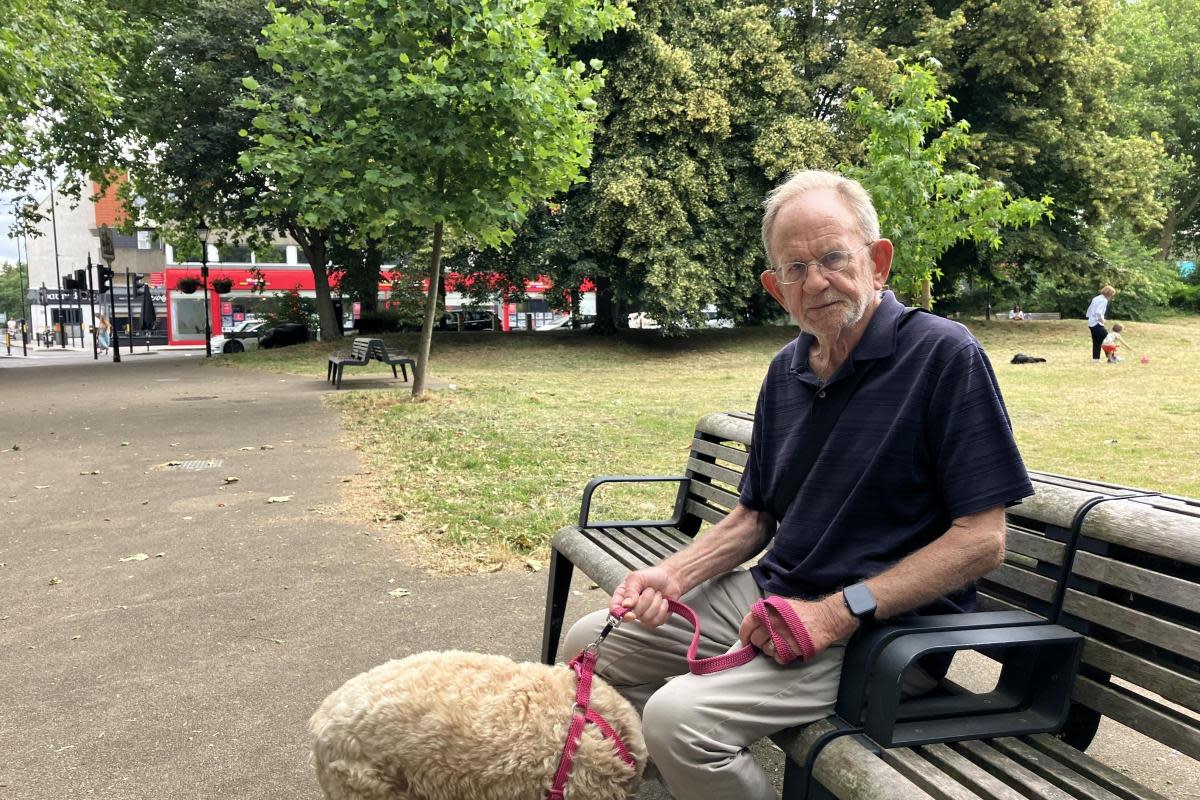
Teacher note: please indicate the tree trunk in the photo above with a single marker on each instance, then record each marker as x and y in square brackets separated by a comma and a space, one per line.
[431, 305]
[314, 245]
[368, 292]
[610, 314]
[927, 294]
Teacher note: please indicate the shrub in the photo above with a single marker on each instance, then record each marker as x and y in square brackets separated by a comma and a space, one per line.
[379, 322]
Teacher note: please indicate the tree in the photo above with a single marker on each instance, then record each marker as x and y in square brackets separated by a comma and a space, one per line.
[1036, 81]
[12, 300]
[1157, 40]
[924, 206]
[453, 112]
[701, 113]
[58, 66]
[174, 143]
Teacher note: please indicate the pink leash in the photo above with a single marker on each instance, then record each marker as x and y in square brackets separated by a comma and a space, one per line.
[584, 666]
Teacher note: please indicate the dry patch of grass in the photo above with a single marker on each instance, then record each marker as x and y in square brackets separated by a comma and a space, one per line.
[482, 474]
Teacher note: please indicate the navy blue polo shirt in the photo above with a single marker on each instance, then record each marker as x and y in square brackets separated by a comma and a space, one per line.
[923, 440]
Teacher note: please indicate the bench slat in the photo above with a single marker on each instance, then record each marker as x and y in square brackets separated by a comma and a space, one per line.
[648, 551]
[723, 452]
[968, 773]
[936, 783]
[697, 467]
[848, 769]
[1165, 634]
[703, 512]
[1182, 689]
[1156, 721]
[1146, 582]
[1120, 785]
[1026, 781]
[1053, 770]
[672, 540]
[1131, 523]
[716, 495]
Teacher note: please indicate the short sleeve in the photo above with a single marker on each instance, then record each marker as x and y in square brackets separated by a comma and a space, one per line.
[975, 455]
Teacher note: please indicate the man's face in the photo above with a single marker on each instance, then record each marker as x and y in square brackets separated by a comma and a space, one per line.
[809, 226]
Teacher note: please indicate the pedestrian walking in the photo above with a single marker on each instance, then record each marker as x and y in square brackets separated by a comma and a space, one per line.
[104, 334]
[1095, 319]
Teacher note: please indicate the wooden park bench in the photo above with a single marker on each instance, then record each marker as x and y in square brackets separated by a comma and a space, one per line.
[1132, 603]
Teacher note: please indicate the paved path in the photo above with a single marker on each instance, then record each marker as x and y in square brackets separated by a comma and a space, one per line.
[192, 674]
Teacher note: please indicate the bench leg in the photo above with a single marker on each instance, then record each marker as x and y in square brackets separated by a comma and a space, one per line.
[556, 604]
[394, 375]
[340, 367]
[404, 369]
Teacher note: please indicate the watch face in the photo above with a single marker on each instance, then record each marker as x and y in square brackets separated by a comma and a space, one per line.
[860, 601]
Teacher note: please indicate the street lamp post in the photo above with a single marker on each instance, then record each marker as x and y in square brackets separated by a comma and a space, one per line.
[202, 235]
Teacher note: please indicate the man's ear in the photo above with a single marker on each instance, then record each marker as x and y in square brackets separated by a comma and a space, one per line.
[881, 262]
[770, 282]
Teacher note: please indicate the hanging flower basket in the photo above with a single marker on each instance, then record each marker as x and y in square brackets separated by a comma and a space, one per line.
[222, 285]
[187, 285]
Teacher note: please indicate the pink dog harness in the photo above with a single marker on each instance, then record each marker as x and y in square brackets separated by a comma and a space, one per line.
[584, 666]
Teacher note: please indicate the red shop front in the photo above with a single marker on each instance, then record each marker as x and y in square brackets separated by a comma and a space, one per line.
[185, 312]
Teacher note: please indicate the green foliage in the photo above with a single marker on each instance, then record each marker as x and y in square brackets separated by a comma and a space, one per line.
[12, 278]
[702, 111]
[407, 298]
[924, 206]
[423, 114]
[373, 106]
[1145, 283]
[1036, 81]
[289, 306]
[1161, 98]
[57, 67]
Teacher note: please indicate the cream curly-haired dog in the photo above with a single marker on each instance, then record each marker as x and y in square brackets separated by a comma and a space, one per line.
[468, 726]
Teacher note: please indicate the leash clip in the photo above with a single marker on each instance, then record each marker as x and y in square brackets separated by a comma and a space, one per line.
[610, 624]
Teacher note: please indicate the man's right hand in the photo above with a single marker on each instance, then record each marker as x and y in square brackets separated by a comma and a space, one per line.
[644, 594]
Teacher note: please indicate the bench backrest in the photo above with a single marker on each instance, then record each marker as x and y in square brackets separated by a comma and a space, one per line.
[361, 348]
[1134, 592]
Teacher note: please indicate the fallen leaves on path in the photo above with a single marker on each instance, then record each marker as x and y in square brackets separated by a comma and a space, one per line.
[399, 593]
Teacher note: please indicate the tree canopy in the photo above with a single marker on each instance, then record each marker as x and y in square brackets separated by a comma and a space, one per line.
[455, 112]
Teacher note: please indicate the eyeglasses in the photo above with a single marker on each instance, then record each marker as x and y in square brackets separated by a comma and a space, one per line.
[831, 262]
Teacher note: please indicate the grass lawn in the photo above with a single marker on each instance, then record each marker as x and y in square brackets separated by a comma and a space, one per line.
[488, 468]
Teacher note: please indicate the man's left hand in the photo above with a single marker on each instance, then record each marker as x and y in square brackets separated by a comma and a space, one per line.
[825, 622]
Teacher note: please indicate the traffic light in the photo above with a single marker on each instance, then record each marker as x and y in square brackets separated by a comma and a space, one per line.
[137, 282]
[104, 277]
[68, 284]
[81, 280]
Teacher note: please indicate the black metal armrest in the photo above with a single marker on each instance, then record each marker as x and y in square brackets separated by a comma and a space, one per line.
[595, 483]
[1039, 661]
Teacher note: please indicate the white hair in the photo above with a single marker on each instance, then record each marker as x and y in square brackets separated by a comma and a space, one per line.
[851, 191]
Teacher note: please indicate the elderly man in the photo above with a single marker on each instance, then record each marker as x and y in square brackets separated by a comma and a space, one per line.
[1095, 317]
[902, 508]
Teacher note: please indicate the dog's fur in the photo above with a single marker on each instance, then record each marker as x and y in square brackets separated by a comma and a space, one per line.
[467, 726]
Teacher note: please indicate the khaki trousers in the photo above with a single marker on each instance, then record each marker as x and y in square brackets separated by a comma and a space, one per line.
[698, 728]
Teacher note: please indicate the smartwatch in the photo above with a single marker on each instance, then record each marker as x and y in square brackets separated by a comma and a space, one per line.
[860, 601]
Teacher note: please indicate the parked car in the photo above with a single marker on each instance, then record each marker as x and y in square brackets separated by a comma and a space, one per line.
[472, 320]
[242, 337]
[564, 323]
[288, 333]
